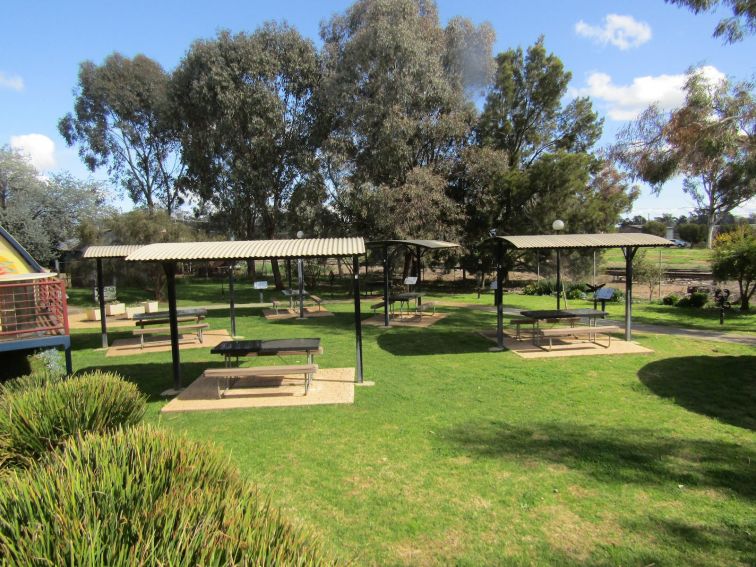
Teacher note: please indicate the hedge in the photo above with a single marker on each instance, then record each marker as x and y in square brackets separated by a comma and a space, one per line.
[38, 414]
[142, 496]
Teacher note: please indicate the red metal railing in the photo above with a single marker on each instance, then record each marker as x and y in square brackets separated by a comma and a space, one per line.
[33, 308]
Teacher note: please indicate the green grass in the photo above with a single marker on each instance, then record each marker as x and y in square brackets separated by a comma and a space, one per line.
[643, 311]
[677, 258]
[462, 456]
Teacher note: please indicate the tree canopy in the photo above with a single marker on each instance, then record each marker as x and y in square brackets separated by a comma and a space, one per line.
[121, 120]
[43, 213]
[734, 28]
[710, 140]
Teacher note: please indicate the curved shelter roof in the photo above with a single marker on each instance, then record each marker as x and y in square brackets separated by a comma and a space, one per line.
[247, 249]
[115, 251]
[570, 241]
[430, 244]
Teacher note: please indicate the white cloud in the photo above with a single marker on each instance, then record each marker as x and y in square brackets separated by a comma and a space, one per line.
[12, 82]
[621, 31]
[39, 148]
[626, 102]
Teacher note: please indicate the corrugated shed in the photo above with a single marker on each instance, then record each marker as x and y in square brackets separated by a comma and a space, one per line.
[610, 240]
[244, 249]
[115, 251]
[431, 244]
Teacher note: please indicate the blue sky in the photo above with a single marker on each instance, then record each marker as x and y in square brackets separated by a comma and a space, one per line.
[622, 54]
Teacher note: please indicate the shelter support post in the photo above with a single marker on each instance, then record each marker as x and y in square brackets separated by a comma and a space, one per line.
[419, 273]
[629, 253]
[170, 274]
[231, 302]
[300, 281]
[498, 294]
[101, 295]
[559, 280]
[69, 361]
[385, 286]
[357, 317]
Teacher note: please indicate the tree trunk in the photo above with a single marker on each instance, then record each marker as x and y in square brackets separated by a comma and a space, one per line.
[408, 257]
[276, 274]
[251, 269]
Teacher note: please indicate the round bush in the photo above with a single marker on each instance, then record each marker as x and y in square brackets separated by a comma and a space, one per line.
[37, 415]
[695, 299]
[671, 299]
[142, 496]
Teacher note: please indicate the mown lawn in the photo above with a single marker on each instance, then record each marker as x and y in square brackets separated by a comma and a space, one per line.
[677, 258]
[458, 455]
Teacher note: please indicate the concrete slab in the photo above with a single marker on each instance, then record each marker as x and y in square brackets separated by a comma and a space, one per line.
[130, 346]
[271, 315]
[329, 386]
[421, 321]
[565, 347]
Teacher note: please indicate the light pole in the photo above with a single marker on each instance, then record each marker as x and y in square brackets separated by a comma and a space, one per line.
[558, 225]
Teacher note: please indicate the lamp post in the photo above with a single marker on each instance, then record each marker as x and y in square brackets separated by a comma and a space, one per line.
[300, 279]
[558, 225]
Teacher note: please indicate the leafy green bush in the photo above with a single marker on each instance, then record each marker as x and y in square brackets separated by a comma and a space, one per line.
[696, 299]
[671, 299]
[34, 420]
[142, 496]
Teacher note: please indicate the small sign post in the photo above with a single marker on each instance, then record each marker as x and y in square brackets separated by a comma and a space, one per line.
[261, 285]
[109, 292]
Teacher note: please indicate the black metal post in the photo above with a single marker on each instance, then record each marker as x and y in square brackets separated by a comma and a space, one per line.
[300, 280]
[559, 281]
[69, 361]
[101, 294]
[170, 273]
[357, 316]
[629, 253]
[499, 295]
[385, 286]
[231, 302]
[419, 274]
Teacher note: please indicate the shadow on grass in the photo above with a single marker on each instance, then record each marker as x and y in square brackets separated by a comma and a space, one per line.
[723, 387]
[615, 456]
[424, 342]
[152, 378]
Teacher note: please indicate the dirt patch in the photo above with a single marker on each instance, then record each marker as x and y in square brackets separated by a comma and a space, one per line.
[575, 537]
[430, 551]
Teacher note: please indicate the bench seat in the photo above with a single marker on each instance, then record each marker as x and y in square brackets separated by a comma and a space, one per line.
[198, 327]
[231, 375]
[427, 306]
[591, 333]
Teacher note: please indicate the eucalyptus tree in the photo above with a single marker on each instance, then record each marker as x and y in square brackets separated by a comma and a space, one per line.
[42, 213]
[710, 140]
[121, 121]
[734, 28]
[395, 100]
[245, 106]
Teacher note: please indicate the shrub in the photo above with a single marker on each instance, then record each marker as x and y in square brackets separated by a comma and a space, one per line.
[696, 299]
[34, 420]
[29, 381]
[671, 299]
[142, 496]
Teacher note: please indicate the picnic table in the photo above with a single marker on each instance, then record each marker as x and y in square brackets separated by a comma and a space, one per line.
[292, 293]
[407, 297]
[194, 316]
[571, 315]
[273, 347]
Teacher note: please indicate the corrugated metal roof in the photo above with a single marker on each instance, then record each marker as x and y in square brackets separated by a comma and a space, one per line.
[432, 244]
[609, 240]
[116, 251]
[243, 249]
